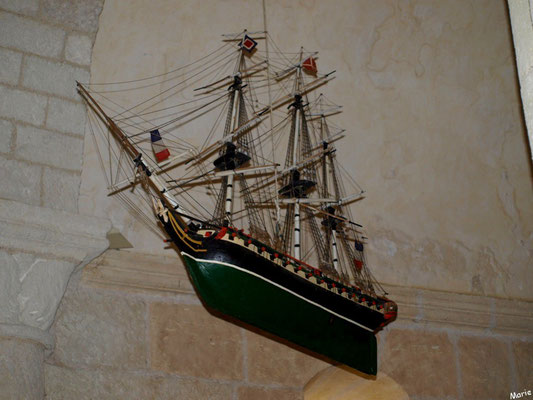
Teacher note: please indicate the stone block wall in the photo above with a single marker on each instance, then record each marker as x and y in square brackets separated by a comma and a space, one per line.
[138, 338]
[449, 345]
[456, 363]
[45, 46]
[132, 327]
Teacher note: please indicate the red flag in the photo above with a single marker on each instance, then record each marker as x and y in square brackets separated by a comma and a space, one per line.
[358, 264]
[309, 65]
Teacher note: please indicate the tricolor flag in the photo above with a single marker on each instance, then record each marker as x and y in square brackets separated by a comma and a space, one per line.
[248, 43]
[158, 146]
[309, 65]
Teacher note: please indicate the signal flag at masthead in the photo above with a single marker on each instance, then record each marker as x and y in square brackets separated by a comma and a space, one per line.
[248, 43]
[309, 65]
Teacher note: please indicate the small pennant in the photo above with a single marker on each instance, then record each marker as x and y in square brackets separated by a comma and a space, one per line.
[248, 43]
[309, 65]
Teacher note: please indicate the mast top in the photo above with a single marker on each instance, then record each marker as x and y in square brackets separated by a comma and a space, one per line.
[234, 37]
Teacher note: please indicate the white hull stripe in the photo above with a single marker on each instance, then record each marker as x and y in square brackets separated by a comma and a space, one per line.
[279, 286]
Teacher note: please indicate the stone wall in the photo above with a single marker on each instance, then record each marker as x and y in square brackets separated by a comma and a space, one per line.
[443, 362]
[132, 327]
[45, 46]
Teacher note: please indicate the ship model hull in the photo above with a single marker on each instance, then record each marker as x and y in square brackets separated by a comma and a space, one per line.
[250, 298]
[244, 279]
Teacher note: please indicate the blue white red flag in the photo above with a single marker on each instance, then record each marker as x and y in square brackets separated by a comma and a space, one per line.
[158, 146]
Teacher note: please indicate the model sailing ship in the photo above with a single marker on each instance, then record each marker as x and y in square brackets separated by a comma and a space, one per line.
[274, 246]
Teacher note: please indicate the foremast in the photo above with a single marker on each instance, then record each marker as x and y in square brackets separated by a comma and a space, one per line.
[238, 153]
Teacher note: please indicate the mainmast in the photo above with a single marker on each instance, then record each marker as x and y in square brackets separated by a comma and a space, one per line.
[301, 179]
[230, 157]
[236, 94]
[298, 107]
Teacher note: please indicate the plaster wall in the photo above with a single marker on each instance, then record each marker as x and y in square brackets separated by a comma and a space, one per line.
[435, 134]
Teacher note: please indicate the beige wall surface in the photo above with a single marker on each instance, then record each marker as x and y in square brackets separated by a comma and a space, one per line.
[435, 133]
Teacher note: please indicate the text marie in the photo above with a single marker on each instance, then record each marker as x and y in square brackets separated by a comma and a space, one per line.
[514, 395]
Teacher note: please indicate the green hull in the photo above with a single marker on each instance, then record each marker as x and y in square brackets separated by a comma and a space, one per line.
[251, 299]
